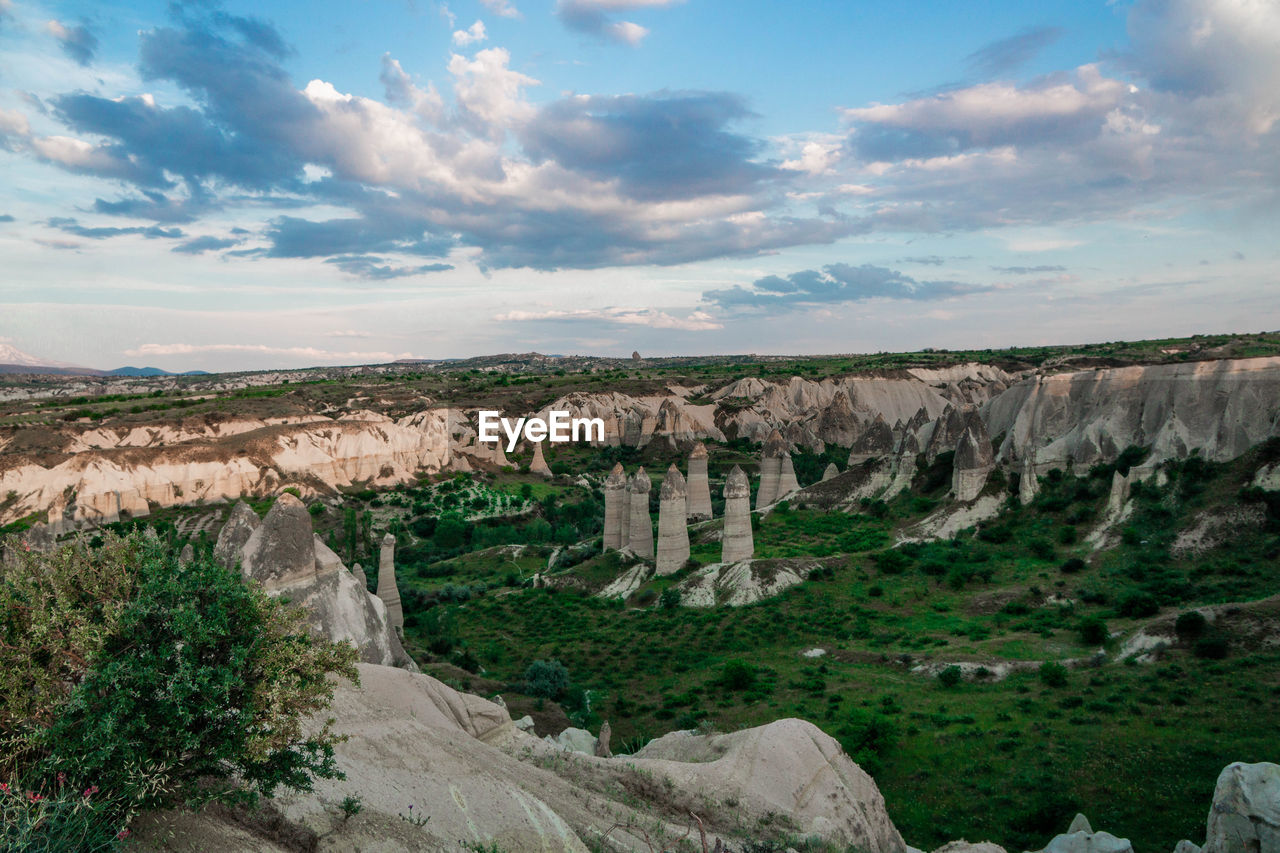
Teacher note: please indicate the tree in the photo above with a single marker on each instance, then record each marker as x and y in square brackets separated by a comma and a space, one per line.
[157, 681]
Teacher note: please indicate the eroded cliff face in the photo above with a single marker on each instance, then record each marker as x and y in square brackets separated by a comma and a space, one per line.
[1220, 408]
[103, 473]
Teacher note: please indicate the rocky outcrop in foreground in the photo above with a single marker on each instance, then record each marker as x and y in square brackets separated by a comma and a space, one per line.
[282, 553]
[436, 769]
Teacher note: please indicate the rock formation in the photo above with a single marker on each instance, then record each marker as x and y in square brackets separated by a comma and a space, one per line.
[830, 471]
[1028, 482]
[787, 482]
[673, 521]
[946, 432]
[737, 542]
[603, 749]
[187, 554]
[539, 464]
[974, 460]
[770, 469]
[614, 488]
[387, 589]
[284, 555]
[358, 571]
[699, 486]
[240, 525]
[875, 441]
[640, 530]
[838, 423]
[1245, 817]
[624, 513]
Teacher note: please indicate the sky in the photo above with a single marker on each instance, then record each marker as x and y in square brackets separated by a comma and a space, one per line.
[242, 185]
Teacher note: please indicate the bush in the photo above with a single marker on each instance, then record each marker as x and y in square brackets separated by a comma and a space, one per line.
[1213, 647]
[156, 681]
[547, 679]
[670, 597]
[1071, 566]
[1190, 625]
[738, 675]
[867, 737]
[950, 676]
[1093, 631]
[1053, 674]
[1138, 604]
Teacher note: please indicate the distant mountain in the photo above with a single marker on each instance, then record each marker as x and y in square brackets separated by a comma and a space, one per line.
[152, 371]
[11, 355]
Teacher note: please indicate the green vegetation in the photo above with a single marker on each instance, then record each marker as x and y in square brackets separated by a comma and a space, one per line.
[133, 681]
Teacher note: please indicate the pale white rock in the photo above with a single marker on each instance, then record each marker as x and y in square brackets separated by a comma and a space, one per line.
[673, 521]
[388, 591]
[640, 530]
[787, 483]
[698, 484]
[830, 471]
[963, 846]
[539, 464]
[614, 487]
[775, 447]
[1245, 816]
[739, 584]
[738, 542]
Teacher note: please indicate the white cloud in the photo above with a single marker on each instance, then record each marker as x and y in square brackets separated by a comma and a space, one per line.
[501, 8]
[696, 321]
[473, 34]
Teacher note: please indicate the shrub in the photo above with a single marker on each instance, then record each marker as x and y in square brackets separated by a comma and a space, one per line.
[1138, 604]
[1041, 548]
[1213, 647]
[547, 679]
[1093, 631]
[867, 737]
[157, 681]
[738, 675]
[670, 597]
[950, 676]
[1190, 625]
[1071, 566]
[1053, 674]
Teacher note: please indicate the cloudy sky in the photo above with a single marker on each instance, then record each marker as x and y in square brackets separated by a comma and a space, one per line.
[232, 185]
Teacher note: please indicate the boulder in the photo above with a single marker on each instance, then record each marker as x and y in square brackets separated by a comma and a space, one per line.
[574, 740]
[1088, 842]
[235, 533]
[963, 846]
[673, 524]
[738, 542]
[1245, 816]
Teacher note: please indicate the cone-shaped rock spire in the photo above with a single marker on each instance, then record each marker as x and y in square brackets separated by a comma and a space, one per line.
[673, 520]
[282, 549]
[787, 482]
[539, 464]
[699, 487]
[640, 534]
[831, 471]
[876, 440]
[235, 533]
[974, 460]
[737, 543]
[614, 488]
[775, 447]
[387, 589]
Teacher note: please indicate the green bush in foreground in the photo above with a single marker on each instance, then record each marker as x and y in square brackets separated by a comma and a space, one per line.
[157, 682]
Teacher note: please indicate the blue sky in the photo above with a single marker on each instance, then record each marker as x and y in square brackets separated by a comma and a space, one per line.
[234, 185]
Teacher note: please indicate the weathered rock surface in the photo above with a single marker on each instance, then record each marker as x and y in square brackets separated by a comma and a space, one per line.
[111, 472]
[387, 589]
[738, 542]
[830, 471]
[614, 487]
[787, 483]
[640, 528]
[770, 469]
[974, 461]
[742, 583]
[539, 464]
[698, 484]
[285, 556]
[1245, 817]
[876, 440]
[457, 760]
[673, 524]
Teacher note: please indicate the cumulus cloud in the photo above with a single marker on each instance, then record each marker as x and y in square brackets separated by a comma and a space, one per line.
[77, 42]
[695, 321]
[471, 35]
[1009, 54]
[835, 283]
[501, 8]
[597, 18]
[263, 349]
